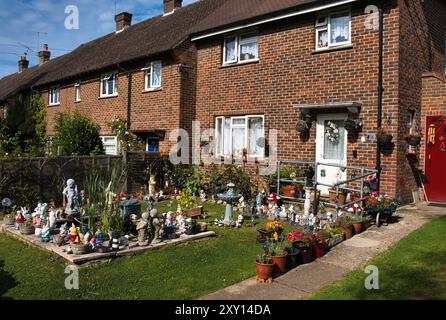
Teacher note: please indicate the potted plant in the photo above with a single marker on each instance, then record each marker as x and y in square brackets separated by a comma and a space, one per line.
[264, 267]
[318, 245]
[301, 126]
[305, 243]
[383, 137]
[27, 228]
[413, 139]
[357, 222]
[293, 252]
[278, 250]
[336, 236]
[352, 125]
[341, 196]
[345, 223]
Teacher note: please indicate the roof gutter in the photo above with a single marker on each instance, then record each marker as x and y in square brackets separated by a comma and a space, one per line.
[281, 17]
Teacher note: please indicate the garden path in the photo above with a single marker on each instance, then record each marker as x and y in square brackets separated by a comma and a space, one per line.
[349, 255]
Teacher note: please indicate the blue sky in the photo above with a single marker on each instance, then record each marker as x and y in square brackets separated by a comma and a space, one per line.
[22, 19]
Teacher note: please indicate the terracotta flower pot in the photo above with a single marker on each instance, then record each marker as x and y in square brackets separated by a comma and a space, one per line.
[318, 249]
[264, 271]
[306, 254]
[26, 230]
[279, 264]
[348, 232]
[358, 227]
[332, 197]
[289, 191]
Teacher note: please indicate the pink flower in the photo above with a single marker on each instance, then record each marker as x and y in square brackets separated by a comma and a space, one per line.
[290, 237]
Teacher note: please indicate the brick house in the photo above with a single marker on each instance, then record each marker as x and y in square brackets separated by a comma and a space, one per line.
[241, 68]
[267, 66]
[142, 73]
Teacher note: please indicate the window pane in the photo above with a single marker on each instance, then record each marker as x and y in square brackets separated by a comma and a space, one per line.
[219, 136]
[230, 50]
[227, 136]
[148, 79]
[104, 87]
[334, 140]
[256, 141]
[110, 86]
[238, 121]
[238, 141]
[156, 74]
[248, 48]
[322, 38]
[340, 28]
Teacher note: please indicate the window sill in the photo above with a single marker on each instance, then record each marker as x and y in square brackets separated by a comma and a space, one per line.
[153, 90]
[235, 64]
[330, 49]
[108, 97]
[54, 105]
[78, 101]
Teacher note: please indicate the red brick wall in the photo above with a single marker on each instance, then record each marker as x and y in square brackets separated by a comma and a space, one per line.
[423, 32]
[290, 72]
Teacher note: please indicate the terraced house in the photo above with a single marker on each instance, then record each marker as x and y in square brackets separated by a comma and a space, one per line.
[242, 68]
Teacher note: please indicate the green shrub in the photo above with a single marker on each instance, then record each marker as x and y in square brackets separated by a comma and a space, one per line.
[77, 135]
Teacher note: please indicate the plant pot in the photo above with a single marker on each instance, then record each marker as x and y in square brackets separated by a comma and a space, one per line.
[318, 249]
[79, 249]
[279, 264]
[264, 271]
[306, 255]
[332, 197]
[292, 259]
[348, 233]
[289, 191]
[413, 141]
[384, 139]
[357, 226]
[26, 230]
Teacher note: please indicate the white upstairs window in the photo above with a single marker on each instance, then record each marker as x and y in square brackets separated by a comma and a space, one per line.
[54, 95]
[153, 75]
[333, 30]
[77, 91]
[241, 48]
[109, 84]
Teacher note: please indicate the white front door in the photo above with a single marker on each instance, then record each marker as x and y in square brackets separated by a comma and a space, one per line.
[331, 148]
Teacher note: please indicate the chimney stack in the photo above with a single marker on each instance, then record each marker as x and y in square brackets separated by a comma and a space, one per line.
[123, 20]
[44, 55]
[23, 63]
[171, 5]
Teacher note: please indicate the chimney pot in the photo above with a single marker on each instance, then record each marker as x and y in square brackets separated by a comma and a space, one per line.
[23, 63]
[171, 5]
[44, 55]
[123, 20]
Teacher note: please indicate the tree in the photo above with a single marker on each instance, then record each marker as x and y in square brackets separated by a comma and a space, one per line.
[77, 135]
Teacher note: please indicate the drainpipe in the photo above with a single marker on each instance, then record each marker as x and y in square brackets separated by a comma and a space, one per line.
[380, 92]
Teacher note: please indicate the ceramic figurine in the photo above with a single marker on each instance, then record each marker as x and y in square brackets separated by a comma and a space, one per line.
[168, 219]
[260, 198]
[240, 220]
[46, 231]
[74, 237]
[202, 195]
[72, 199]
[93, 244]
[283, 215]
[181, 224]
[156, 225]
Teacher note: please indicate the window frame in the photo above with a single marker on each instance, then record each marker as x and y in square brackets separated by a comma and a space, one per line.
[77, 91]
[236, 126]
[326, 25]
[149, 71]
[51, 95]
[115, 86]
[238, 44]
[115, 142]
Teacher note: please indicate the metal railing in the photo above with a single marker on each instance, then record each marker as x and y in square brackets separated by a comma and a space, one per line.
[338, 186]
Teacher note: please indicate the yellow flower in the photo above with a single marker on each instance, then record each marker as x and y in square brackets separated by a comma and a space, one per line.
[276, 236]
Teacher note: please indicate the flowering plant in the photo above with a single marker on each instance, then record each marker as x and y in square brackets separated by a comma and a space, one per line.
[125, 137]
[332, 132]
[274, 225]
[376, 201]
[276, 246]
[304, 239]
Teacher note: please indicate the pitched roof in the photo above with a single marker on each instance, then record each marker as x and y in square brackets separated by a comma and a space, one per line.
[233, 12]
[150, 37]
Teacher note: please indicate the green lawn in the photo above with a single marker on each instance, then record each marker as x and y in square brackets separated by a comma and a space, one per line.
[414, 269]
[178, 272]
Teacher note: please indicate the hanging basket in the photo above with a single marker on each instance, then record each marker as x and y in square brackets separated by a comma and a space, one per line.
[351, 125]
[384, 138]
[301, 126]
[413, 141]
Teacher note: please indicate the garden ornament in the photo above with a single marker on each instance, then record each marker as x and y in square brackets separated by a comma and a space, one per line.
[229, 197]
[260, 198]
[6, 204]
[283, 215]
[149, 201]
[72, 199]
[240, 220]
[155, 225]
[74, 237]
[25, 213]
[142, 229]
[309, 175]
[110, 196]
[202, 195]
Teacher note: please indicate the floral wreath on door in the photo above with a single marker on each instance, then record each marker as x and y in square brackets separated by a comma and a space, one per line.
[332, 133]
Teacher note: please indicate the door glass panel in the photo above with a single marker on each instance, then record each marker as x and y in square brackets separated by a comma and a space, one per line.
[334, 135]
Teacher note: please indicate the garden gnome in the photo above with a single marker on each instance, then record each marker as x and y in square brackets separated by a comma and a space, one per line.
[52, 216]
[240, 220]
[74, 237]
[142, 226]
[259, 202]
[202, 195]
[71, 199]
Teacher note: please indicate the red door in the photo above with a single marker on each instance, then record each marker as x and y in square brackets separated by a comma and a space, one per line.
[436, 158]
